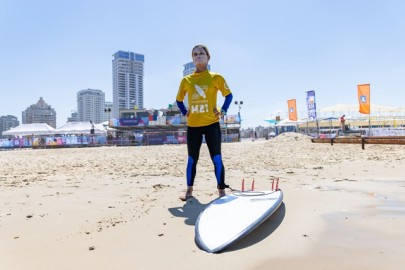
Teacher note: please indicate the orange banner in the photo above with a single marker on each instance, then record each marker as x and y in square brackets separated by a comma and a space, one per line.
[363, 94]
[292, 110]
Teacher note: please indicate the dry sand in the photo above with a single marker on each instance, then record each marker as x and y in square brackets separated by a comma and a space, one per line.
[118, 207]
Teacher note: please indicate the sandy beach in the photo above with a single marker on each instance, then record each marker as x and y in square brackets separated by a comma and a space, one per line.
[118, 207]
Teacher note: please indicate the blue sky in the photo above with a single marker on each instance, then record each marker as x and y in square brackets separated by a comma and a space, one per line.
[268, 51]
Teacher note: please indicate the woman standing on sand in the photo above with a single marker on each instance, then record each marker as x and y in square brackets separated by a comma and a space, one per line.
[203, 117]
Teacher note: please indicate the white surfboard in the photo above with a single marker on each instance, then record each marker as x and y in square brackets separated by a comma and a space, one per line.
[229, 218]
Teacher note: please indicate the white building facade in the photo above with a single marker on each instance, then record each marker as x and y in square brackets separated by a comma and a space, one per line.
[90, 105]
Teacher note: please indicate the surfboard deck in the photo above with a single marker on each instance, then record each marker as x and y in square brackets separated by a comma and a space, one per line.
[229, 218]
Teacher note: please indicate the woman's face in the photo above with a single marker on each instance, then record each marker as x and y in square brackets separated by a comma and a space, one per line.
[200, 57]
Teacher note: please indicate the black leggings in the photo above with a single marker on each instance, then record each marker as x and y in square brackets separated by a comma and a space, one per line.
[213, 137]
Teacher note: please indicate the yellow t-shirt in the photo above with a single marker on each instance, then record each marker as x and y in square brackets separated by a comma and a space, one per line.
[202, 89]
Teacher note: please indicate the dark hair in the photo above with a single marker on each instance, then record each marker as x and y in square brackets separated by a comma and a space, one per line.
[205, 49]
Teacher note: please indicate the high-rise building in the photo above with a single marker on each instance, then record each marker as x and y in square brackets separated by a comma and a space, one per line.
[127, 81]
[39, 113]
[90, 105]
[7, 122]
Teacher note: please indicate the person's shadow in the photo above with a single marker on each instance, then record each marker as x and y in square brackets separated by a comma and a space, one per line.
[192, 209]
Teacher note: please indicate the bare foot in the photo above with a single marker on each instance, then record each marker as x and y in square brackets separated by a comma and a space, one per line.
[185, 198]
[188, 195]
[221, 192]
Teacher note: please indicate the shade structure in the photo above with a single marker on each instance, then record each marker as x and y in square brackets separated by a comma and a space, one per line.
[288, 123]
[79, 128]
[271, 121]
[30, 129]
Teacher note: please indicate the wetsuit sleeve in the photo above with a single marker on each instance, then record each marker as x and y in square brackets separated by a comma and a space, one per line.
[181, 106]
[227, 102]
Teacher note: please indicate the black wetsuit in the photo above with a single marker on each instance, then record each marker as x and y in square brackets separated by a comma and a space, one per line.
[213, 139]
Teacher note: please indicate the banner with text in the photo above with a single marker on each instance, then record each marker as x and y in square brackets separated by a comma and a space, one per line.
[311, 105]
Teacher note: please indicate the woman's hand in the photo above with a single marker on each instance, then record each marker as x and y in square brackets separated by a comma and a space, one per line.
[218, 114]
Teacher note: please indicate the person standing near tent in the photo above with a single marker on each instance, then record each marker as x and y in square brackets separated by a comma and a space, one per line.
[203, 116]
[342, 123]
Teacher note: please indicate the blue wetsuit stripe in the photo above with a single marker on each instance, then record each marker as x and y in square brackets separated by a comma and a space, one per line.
[190, 164]
[218, 167]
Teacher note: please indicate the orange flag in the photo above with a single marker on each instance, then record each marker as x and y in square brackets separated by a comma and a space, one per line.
[363, 94]
[292, 110]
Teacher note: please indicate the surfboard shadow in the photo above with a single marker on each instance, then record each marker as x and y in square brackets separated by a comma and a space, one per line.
[260, 233]
[190, 211]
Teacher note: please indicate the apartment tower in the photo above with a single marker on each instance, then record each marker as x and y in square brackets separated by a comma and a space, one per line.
[90, 105]
[127, 81]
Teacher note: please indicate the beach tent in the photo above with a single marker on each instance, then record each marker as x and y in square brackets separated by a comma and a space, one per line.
[105, 126]
[287, 125]
[330, 119]
[30, 129]
[79, 128]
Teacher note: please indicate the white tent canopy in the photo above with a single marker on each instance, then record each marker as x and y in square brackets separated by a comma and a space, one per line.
[288, 123]
[30, 129]
[79, 128]
[104, 126]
